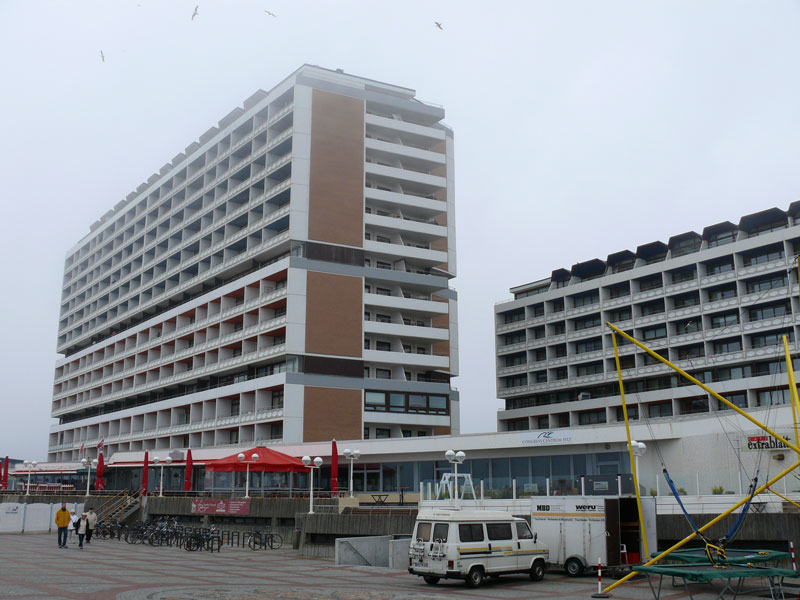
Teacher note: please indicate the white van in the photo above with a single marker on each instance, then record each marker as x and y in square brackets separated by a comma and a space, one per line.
[473, 544]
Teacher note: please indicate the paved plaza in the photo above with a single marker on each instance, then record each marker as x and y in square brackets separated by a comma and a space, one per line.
[32, 566]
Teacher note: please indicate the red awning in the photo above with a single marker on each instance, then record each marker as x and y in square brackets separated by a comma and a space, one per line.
[268, 460]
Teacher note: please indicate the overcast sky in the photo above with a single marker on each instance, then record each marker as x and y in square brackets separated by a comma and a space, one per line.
[581, 128]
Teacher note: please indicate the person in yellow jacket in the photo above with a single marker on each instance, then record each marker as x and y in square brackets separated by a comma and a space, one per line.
[62, 522]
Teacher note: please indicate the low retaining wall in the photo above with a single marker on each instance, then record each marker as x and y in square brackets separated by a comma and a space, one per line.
[767, 530]
[373, 551]
[17, 517]
[317, 533]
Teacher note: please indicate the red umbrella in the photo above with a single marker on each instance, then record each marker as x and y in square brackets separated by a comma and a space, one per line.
[187, 482]
[4, 481]
[269, 460]
[99, 482]
[144, 472]
[334, 469]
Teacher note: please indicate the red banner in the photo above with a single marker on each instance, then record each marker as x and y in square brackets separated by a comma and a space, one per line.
[221, 507]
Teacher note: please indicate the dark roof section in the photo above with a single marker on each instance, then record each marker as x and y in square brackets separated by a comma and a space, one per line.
[771, 215]
[620, 257]
[712, 230]
[676, 239]
[589, 269]
[651, 250]
[561, 275]
[794, 209]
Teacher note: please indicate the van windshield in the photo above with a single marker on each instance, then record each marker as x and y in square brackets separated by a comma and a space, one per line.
[523, 531]
[423, 532]
[440, 532]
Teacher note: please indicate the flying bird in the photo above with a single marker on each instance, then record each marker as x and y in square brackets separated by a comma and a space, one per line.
[439, 25]
[271, 14]
[102, 56]
[194, 14]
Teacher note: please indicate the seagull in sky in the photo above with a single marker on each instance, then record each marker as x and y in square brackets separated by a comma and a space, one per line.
[102, 56]
[194, 14]
[271, 14]
[439, 25]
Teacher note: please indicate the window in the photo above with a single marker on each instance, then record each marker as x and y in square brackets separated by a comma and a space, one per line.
[621, 314]
[624, 265]
[557, 305]
[516, 381]
[694, 405]
[588, 345]
[774, 338]
[773, 397]
[589, 369]
[498, 531]
[514, 316]
[559, 328]
[654, 333]
[559, 351]
[470, 532]
[725, 346]
[383, 292]
[768, 283]
[366, 372]
[383, 265]
[769, 312]
[650, 283]
[366, 433]
[586, 299]
[686, 246]
[766, 228]
[543, 422]
[721, 238]
[724, 320]
[688, 352]
[762, 255]
[235, 406]
[652, 308]
[383, 374]
[722, 293]
[538, 332]
[440, 531]
[633, 413]
[383, 346]
[659, 409]
[540, 377]
[619, 290]
[720, 266]
[587, 322]
[383, 318]
[539, 355]
[727, 373]
[518, 424]
[688, 326]
[688, 274]
[424, 531]
[513, 360]
[561, 373]
[514, 338]
[367, 344]
[686, 300]
[383, 239]
[538, 310]
[736, 398]
[592, 417]
[406, 433]
[375, 401]
[523, 531]
[382, 433]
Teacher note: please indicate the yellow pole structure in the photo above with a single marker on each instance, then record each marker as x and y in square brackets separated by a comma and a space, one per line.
[708, 525]
[792, 388]
[784, 497]
[657, 356]
[630, 447]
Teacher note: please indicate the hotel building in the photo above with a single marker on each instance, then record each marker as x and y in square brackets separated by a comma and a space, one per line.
[283, 280]
[717, 304]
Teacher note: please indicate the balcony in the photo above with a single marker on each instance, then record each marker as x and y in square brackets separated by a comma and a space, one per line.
[433, 361]
[405, 175]
[429, 132]
[396, 223]
[406, 331]
[433, 257]
[390, 199]
[402, 303]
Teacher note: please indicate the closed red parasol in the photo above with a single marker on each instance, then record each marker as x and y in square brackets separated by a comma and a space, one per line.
[187, 481]
[4, 482]
[144, 472]
[100, 482]
[334, 469]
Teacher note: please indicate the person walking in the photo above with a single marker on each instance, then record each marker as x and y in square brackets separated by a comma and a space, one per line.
[73, 521]
[83, 527]
[91, 519]
[62, 522]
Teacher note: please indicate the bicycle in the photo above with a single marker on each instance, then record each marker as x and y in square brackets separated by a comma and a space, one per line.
[259, 540]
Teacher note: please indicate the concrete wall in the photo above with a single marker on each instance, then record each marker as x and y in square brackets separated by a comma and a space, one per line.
[316, 532]
[398, 553]
[16, 517]
[371, 551]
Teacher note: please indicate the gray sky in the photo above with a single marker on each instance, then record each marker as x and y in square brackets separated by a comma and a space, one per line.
[582, 128]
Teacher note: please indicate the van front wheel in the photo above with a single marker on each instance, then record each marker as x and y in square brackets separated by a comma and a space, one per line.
[430, 579]
[574, 567]
[537, 571]
[475, 577]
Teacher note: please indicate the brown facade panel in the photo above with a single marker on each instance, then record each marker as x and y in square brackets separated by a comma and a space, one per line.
[442, 430]
[336, 183]
[330, 413]
[334, 314]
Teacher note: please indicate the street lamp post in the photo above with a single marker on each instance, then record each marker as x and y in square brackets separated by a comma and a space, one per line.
[351, 455]
[455, 458]
[157, 460]
[88, 466]
[317, 464]
[639, 448]
[253, 460]
[29, 465]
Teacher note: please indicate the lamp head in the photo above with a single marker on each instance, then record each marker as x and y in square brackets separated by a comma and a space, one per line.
[356, 454]
[83, 462]
[450, 455]
[306, 460]
[240, 456]
[156, 460]
[94, 462]
[318, 462]
[460, 456]
[169, 460]
[347, 452]
[254, 457]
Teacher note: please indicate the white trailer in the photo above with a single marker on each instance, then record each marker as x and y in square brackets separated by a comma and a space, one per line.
[581, 529]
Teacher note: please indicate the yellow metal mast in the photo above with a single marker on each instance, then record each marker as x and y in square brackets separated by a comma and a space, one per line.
[630, 447]
[792, 388]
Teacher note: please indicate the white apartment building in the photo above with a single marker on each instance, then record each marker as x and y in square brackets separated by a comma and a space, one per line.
[716, 304]
[284, 279]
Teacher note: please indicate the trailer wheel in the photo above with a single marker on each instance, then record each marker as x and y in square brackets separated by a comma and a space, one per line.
[475, 577]
[537, 570]
[574, 567]
[430, 579]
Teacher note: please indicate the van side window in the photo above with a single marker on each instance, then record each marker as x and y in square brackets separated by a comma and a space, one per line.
[470, 532]
[498, 531]
[523, 531]
[424, 531]
[440, 532]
